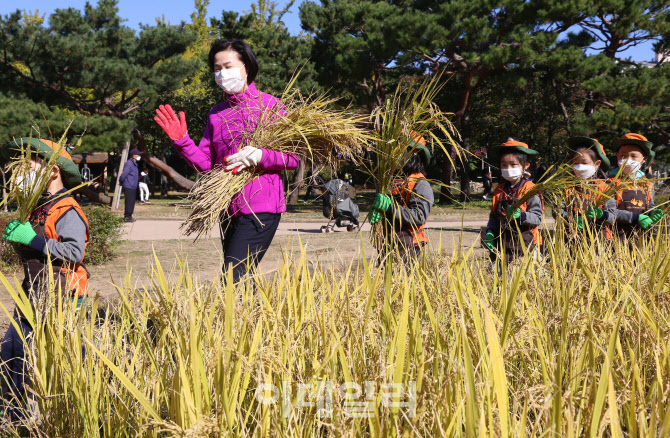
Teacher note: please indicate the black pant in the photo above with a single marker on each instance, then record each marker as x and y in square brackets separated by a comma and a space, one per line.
[245, 240]
[130, 198]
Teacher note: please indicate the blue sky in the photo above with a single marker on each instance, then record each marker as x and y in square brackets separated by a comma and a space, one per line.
[141, 11]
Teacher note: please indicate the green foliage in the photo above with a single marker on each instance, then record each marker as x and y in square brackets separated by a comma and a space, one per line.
[105, 230]
[359, 45]
[88, 61]
[9, 259]
[20, 115]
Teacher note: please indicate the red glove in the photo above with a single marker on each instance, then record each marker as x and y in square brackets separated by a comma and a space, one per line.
[174, 127]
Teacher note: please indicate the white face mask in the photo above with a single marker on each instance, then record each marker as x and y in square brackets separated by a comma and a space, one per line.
[230, 80]
[27, 182]
[630, 166]
[138, 158]
[512, 174]
[584, 171]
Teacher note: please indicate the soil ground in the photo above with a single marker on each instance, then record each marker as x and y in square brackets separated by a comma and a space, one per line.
[156, 234]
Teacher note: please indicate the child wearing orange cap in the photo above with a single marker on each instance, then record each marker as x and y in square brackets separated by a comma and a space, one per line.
[635, 210]
[55, 236]
[407, 216]
[588, 202]
[510, 228]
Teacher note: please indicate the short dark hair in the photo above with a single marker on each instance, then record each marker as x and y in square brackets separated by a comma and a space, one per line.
[247, 56]
[415, 164]
[589, 151]
[523, 158]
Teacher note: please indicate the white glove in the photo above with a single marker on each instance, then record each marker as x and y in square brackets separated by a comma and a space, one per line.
[247, 156]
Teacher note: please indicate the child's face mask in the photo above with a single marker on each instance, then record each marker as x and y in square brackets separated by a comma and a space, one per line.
[512, 174]
[584, 171]
[27, 182]
[629, 165]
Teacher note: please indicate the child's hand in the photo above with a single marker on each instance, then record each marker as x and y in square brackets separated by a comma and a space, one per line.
[656, 215]
[381, 202]
[594, 213]
[644, 221]
[488, 241]
[513, 213]
[19, 233]
[374, 217]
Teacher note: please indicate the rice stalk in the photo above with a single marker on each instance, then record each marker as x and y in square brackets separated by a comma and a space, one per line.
[410, 112]
[575, 345]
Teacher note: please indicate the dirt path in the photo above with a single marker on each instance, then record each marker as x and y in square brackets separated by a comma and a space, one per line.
[161, 239]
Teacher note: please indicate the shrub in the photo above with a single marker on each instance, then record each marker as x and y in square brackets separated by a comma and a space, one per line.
[105, 228]
[9, 259]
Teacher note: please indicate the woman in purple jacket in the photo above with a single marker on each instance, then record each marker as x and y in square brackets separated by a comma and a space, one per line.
[249, 225]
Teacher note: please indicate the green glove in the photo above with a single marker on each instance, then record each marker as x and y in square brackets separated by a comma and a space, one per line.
[580, 222]
[374, 217]
[19, 233]
[513, 213]
[644, 221]
[488, 241]
[594, 213]
[656, 215]
[381, 202]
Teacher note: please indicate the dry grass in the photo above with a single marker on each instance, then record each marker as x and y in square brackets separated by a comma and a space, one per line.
[411, 111]
[576, 346]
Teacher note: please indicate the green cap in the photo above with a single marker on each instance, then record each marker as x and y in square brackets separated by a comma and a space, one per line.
[590, 143]
[45, 149]
[638, 140]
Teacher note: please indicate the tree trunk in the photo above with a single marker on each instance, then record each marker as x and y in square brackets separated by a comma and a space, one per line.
[4, 189]
[180, 180]
[447, 173]
[464, 167]
[297, 183]
[95, 196]
[160, 165]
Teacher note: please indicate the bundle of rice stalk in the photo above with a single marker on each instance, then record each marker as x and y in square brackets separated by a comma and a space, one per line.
[557, 184]
[409, 114]
[311, 128]
[29, 181]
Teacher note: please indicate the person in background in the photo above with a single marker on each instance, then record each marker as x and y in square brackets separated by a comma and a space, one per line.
[144, 187]
[510, 226]
[130, 180]
[487, 180]
[635, 210]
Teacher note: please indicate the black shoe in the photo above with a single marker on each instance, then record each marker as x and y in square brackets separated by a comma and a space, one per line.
[130, 220]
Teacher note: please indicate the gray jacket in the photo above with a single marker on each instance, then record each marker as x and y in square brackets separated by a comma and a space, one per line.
[417, 210]
[532, 217]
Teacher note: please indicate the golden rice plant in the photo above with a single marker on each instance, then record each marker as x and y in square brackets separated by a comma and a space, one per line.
[26, 196]
[312, 128]
[574, 345]
[409, 112]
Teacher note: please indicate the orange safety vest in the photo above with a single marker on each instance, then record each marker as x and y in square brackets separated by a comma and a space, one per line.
[601, 186]
[75, 273]
[642, 204]
[405, 190]
[503, 197]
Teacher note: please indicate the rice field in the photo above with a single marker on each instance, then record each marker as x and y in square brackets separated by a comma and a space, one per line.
[572, 345]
